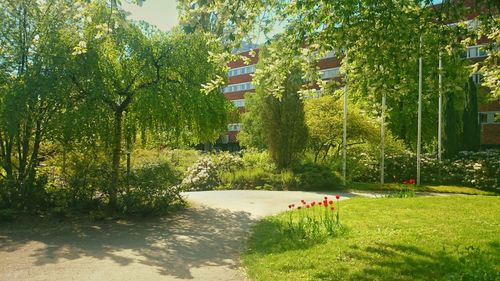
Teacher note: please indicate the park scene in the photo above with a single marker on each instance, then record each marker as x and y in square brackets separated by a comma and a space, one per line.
[250, 140]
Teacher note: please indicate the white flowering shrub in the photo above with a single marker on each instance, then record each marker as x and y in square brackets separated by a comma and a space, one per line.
[478, 169]
[205, 174]
[202, 175]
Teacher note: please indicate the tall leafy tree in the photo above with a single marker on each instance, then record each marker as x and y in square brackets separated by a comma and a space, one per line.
[279, 119]
[136, 77]
[34, 89]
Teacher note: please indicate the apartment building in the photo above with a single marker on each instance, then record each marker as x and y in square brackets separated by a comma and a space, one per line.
[240, 82]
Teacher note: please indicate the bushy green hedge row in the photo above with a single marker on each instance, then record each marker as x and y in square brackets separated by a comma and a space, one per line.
[151, 186]
[477, 169]
[254, 170]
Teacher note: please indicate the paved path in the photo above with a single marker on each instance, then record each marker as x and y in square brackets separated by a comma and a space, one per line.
[202, 243]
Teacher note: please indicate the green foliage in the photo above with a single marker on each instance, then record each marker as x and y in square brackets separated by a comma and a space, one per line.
[246, 178]
[277, 120]
[207, 172]
[471, 130]
[80, 80]
[314, 176]
[324, 119]
[152, 188]
[252, 135]
[312, 220]
[452, 132]
[477, 169]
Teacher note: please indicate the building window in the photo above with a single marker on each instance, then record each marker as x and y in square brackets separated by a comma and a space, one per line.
[477, 77]
[241, 70]
[330, 54]
[483, 118]
[492, 117]
[476, 52]
[239, 103]
[234, 127]
[329, 73]
[238, 87]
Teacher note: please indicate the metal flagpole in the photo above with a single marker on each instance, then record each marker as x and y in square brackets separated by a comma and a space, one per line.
[344, 133]
[440, 109]
[382, 141]
[419, 130]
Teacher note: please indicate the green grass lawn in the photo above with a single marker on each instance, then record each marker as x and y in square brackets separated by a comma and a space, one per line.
[422, 238]
[421, 188]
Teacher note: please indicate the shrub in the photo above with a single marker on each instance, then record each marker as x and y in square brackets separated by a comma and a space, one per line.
[253, 158]
[477, 169]
[202, 175]
[151, 188]
[7, 215]
[245, 178]
[314, 176]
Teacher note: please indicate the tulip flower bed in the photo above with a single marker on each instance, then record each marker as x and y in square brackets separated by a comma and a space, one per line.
[315, 219]
[420, 238]
[405, 190]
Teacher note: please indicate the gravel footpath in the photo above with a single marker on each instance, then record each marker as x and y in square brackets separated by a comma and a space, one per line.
[201, 243]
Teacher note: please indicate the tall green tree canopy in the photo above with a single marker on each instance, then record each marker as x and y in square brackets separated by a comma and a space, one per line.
[381, 37]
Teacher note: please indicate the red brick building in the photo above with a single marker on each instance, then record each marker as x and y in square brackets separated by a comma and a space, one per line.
[240, 82]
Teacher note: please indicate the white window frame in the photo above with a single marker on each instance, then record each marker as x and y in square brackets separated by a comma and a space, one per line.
[238, 87]
[477, 77]
[323, 73]
[241, 70]
[490, 117]
[239, 102]
[234, 127]
[477, 51]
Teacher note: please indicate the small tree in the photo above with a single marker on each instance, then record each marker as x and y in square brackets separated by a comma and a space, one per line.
[470, 118]
[324, 121]
[283, 122]
[451, 139]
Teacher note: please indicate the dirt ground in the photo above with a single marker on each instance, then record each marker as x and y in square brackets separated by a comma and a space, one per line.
[200, 243]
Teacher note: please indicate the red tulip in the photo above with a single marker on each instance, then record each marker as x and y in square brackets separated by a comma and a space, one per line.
[299, 207]
[313, 203]
[330, 202]
[404, 182]
[307, 206]
[326, 198]
[289, 206]
[320, 203]
[332, 208]
[412, 181]
[338, 197]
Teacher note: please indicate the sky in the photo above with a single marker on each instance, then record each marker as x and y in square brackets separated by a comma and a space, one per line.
[162, 13]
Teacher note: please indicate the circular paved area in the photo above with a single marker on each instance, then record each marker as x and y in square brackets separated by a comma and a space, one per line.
[201, 243]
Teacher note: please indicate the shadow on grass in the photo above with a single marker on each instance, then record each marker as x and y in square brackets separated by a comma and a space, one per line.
[407, 262]
[381, 261]
[172, 246]
[271, 235]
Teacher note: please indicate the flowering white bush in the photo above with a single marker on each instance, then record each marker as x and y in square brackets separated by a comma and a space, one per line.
[205, 174]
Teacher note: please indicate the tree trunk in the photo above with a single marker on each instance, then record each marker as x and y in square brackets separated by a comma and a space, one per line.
[115, 166]
[33, 162]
